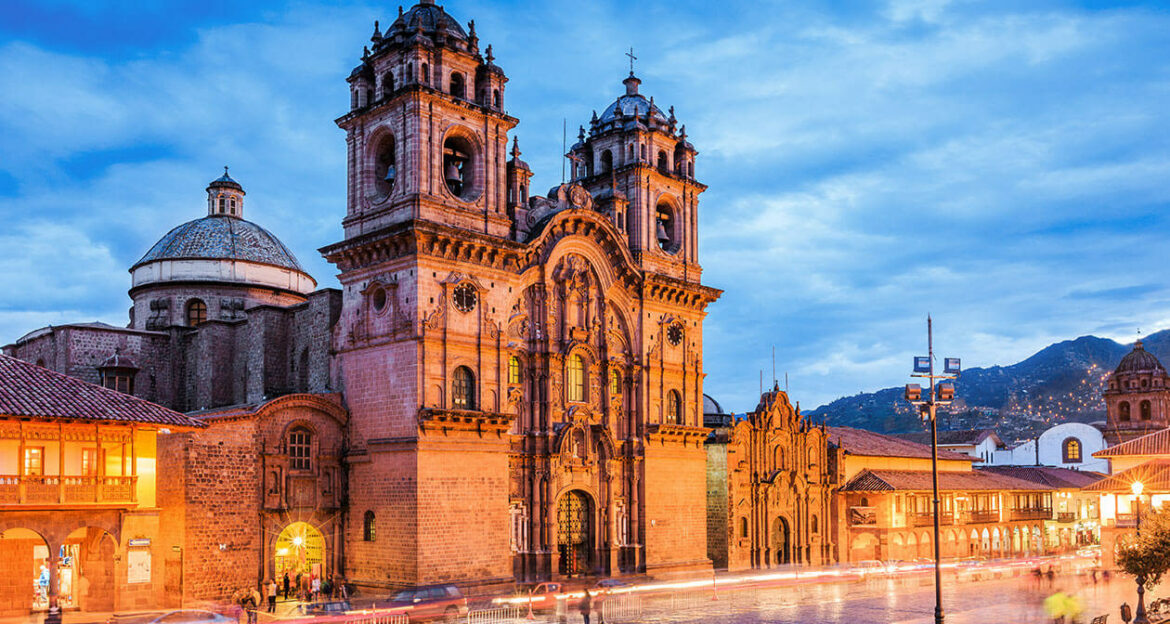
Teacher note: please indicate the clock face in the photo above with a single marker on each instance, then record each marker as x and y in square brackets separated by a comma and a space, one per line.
[674, 334]
[464, 298]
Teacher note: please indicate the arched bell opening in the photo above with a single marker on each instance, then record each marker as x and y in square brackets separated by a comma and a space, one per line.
[459, 167]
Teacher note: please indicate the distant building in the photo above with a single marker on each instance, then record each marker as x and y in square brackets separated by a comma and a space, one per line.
[770, 488]
[1137, 397]
[887, 510]
[1076, 513]
[982, 444]
[1067, 445]
[1145, 459]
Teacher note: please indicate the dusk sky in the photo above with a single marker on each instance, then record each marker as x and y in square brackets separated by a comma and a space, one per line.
[1004, 166]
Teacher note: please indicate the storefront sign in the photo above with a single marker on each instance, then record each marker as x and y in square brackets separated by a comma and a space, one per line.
[140, 541]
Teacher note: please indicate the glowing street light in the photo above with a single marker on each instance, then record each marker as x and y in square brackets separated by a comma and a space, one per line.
[1139, 617]
[941, 393]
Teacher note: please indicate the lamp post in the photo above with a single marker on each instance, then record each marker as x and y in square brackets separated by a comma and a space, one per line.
[1139, 617]
[940, 394]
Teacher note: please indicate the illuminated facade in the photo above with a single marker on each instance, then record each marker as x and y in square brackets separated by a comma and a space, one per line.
[80, 517]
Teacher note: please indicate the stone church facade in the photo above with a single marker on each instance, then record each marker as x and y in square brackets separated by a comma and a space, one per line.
[507, 387]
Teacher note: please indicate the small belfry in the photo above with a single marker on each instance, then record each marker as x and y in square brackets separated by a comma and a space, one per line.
[225, 197]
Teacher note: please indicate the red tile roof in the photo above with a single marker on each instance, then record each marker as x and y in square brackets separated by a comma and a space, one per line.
[29, 391]
[862, 442]
[966, 437]
[1157, 443]
[920, 480]
[1154, 475]
[1060, 478]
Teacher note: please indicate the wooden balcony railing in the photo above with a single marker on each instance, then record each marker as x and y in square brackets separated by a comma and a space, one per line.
[926, 518]
[69, 489]
[1066, 516]
[981, 517]
[1126, 520]
[1036, 513]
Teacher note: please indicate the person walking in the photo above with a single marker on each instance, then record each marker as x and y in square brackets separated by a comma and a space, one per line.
[586, 606]
[286, 584]
[270, 588]
[315, 588]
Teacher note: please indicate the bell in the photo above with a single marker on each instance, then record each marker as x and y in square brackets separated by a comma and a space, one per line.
[662, 237]
[391, 174]
[453, 175]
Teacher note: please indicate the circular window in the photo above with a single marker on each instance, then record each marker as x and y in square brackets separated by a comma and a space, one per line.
[464, 298]
[379, 299]
[674, 334]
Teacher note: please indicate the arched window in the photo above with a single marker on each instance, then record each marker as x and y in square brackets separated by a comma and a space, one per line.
[673, 407]
[1123, 411]
[369, 530]
[662, 166]
[812, 524]
[1071, 450]
[196, 312]
[1144, 408]
[457, 88]
[606, 161]
[666, 234]
[615, 382]
[496, 99]
[387, 84]
[778, 458]
[864, 502]
[300, 451]
[463, 389]
[221, 205]
[458, 167]
[426, 73]
[576, 379]
[743, 527]
[385, 167]
[513, 370]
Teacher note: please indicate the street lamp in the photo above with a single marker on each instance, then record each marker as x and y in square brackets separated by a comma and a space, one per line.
[1139, 617]
[941, 393]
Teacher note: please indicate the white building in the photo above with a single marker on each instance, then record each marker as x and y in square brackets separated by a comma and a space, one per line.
[1068, 445]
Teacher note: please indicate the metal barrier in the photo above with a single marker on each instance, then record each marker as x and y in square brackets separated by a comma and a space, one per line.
[496, 615]
[680, 601]
[621, 607]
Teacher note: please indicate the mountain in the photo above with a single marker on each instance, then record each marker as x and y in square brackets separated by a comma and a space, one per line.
[1060, 383]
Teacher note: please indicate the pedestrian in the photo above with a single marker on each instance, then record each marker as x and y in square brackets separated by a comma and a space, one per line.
[1051, 574]
[586, 606]
[315, 588]
[254, 594]
[342, 590]
[326, 590]
[286, 584]
[270, 586]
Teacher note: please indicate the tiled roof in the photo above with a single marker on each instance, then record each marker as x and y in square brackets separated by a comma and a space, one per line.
[969, 436]
[861, 442]
[1157, 443]
[1060, 478]
[29, 391]
[222, 237]
[920, 480]
[1154, 475]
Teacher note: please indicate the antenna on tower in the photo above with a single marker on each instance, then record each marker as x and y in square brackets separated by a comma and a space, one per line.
[564, 146]
[773, 365]
[785, 382]
[761, 382]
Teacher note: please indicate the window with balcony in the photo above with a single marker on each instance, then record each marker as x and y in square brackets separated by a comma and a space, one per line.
[463, 389]
[300, 443]
[90, 461]
[673, 407]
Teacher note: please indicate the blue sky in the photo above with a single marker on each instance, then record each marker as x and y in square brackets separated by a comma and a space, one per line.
[1004, 166]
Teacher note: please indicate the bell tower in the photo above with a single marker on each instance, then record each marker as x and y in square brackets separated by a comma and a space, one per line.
[638, 154]
[426, 131]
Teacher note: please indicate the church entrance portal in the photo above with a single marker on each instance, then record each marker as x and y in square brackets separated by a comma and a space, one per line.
[575, 533]
[300, 550]
[781, 541]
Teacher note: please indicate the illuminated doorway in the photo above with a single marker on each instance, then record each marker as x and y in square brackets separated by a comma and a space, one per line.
[574, 533]
[300, 551]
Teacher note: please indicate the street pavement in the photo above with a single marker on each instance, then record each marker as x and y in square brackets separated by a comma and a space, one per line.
[906, 600]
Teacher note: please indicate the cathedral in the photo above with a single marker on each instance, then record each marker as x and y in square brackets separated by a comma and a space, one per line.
[507, 387]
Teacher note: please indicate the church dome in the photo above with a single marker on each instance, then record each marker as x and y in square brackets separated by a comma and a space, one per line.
[430, 19]
[1139, 360]
[221, 237]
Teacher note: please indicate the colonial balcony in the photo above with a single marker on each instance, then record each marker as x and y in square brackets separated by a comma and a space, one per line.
[1126, 521]
[981, 517]
[1035, 513]
[1066, 516]
[926, 518]
[68, 490]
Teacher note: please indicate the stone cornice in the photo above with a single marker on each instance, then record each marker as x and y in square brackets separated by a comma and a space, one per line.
[444, 420]
[679, 292]
[667, 433]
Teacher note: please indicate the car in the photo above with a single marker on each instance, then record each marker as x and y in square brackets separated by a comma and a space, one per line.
[335, 607]
[542, 597]
[178, 616]
[870, 567]
[609, 585]
[430, 602]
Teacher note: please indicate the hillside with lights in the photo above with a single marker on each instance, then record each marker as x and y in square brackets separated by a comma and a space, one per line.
[1060, 383]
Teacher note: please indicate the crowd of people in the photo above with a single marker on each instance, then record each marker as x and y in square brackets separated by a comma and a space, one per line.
[298, 586]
